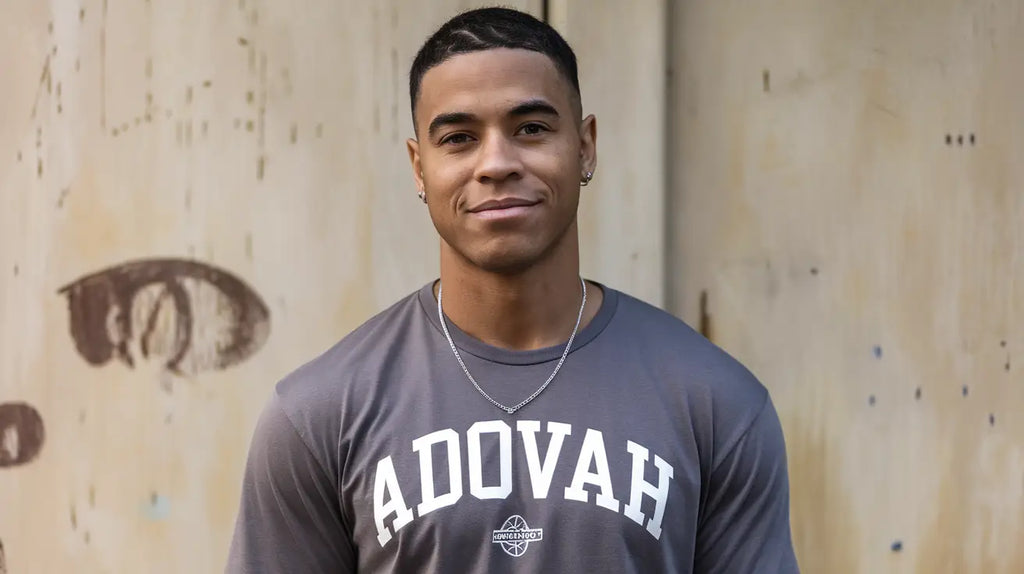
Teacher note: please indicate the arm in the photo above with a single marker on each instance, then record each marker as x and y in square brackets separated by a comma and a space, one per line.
[289, 519]
[744, 523]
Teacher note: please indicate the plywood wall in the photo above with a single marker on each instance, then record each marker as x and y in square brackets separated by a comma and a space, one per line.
[848, 219]
[197, 196]
[620, 49]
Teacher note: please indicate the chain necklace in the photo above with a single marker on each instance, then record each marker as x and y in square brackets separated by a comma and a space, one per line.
[565, 353]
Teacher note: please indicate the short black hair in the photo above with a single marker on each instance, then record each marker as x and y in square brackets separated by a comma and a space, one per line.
[487, 29]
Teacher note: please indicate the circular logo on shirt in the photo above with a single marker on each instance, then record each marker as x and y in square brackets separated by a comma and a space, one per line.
[515, 535]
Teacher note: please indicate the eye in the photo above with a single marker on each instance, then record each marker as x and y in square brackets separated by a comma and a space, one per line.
[455, 139]
[533, 129]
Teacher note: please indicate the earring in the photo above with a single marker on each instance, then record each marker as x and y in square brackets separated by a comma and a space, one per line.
[423, 196]
[586, 178]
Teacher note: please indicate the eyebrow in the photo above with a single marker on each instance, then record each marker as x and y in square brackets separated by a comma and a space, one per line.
[535, 106]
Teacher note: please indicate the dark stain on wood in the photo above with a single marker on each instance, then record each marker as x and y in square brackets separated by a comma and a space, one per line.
[22, 434]
[102, 305]
[44, 79]
[705, 316]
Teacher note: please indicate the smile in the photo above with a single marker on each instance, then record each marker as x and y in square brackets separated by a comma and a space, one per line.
[503, 208]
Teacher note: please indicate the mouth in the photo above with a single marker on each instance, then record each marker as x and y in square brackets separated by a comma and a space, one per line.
[503, 208]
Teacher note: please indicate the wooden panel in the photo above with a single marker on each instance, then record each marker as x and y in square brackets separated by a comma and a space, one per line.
[224, 188]
[623, 84]
[847, 200]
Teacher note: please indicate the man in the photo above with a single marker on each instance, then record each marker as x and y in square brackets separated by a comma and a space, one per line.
[512, 417]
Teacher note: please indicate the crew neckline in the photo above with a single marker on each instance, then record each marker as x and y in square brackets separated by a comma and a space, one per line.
[478, 348]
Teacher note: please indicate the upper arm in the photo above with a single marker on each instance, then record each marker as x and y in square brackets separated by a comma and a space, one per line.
[744, 526]
[289, 518]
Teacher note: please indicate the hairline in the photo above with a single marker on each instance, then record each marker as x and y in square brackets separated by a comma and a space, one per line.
[575, 98]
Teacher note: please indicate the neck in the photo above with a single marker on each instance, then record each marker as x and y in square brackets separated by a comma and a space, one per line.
[533, 309]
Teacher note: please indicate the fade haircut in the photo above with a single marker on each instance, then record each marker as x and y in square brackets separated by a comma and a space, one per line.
[487, 29]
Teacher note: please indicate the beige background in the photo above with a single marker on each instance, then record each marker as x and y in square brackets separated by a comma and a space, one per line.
[786, 163]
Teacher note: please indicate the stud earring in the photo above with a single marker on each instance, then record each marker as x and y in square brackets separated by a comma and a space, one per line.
[423, 196]
[586, 178]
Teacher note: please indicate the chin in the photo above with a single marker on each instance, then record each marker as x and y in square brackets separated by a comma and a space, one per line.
[506, 262]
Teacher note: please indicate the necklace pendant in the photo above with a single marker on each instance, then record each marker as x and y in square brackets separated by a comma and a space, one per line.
[510, 410]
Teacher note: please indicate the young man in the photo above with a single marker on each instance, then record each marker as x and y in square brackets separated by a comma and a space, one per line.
[512, 417]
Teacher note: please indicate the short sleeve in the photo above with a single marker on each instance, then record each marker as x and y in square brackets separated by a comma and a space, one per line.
[289, 518]
[744, 526]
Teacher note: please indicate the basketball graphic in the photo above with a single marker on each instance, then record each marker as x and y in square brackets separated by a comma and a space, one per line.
[515, 535]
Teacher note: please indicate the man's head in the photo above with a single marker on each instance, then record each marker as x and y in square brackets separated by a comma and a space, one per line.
[501, 146]
[488, 29]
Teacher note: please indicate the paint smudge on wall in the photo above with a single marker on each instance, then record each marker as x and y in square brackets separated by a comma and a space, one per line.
[22, 434]
[158, 507]
[194, 316]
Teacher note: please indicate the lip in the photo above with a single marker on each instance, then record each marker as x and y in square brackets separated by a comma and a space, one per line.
[503, 204]
[504, 208]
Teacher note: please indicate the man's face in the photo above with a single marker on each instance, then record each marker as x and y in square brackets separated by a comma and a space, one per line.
[500, 154]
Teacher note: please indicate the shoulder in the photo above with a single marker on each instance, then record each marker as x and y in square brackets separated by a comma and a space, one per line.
[315, 394]
[674, 346]
[722, 396]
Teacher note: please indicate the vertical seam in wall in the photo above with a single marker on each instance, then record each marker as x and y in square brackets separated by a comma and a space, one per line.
[668, 264]
[544, 11]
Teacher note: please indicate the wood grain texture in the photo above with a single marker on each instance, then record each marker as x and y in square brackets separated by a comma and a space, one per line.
[847, 192]
[621, 54]
[237, 171]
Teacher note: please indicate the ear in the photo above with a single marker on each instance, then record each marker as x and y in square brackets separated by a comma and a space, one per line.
[588, 144]
[413, 147]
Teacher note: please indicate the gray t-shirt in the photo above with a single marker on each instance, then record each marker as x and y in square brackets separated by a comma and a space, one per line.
[651, 451]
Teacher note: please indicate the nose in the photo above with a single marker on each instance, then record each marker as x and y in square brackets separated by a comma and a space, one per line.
[498, 159]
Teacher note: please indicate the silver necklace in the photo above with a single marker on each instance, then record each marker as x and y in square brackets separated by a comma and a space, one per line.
[565, 353]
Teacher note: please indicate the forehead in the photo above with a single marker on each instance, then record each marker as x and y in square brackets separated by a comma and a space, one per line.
[490, 80]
